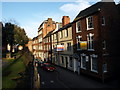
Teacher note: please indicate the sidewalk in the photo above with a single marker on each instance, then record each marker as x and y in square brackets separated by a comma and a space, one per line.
[73, 80]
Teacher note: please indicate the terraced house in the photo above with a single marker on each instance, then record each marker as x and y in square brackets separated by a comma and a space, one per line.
[94, 39]
[87, 45]
[62, 46]
[43, 30]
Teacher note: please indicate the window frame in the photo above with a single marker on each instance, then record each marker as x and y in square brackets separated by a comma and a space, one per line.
[103, 21]
[104, 68]
[61, 34]
[66, 32]
[104, 44]
[90, 41]
[87, 19]
[78, 39]
[78, 29]
[69, 46]
[94, 56]
[86, 57]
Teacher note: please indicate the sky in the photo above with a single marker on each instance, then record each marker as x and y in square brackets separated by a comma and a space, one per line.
[29, 14]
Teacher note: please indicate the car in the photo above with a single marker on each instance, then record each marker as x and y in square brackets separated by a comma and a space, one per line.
[41, 63]
[48, 67]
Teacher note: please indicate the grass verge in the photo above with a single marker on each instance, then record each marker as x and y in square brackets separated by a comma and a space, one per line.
[11, 72]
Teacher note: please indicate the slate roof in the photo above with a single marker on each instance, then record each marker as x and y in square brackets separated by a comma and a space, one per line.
[90, 10]
[64, 27]
[49, 34]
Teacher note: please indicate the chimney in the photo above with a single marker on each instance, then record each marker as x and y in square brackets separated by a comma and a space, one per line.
[49, 19]
[65, 20]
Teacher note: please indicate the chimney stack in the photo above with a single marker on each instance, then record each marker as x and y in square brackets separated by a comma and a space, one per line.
[49, 19]
[65, 20]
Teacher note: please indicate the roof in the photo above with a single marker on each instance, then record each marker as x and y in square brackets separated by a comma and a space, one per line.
[118, 6]
[64, 27]
[90, 10]
[45, 21]
[35, 38]
[48, 34]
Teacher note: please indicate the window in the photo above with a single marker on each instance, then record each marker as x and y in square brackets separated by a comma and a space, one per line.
[104, 68]
[104, 44]
[103, 21]
[79, 39]
[55, 36]
[90, 41]
[83, 61]
[62, 59]
[90, 22]
[94, 63]
[52, 38]
[56, 58]
[71, 62]
[61, 34]
[78, 27]
[62, 43]
[66, 32]
[69, 46]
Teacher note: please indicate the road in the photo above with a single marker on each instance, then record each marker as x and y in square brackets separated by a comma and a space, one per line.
[63, 78]
[50, 79]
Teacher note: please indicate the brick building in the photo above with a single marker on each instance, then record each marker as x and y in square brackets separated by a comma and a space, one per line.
[97, 28]
[35, 47]
[89, 43]
[40, 41]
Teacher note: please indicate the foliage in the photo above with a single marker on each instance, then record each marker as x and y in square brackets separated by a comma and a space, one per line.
[20, 36]
[14, 35]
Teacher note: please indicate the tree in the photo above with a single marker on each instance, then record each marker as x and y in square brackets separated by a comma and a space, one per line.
[20, 36]
[13, 35]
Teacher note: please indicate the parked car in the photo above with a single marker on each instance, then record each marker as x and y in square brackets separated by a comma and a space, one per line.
[48, 67]
[41, 63]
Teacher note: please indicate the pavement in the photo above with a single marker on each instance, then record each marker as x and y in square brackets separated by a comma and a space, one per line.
[73, 80]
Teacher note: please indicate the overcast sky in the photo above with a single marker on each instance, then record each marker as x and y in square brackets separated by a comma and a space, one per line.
[29, 14]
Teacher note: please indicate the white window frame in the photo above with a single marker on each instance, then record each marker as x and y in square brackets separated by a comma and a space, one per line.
[104, 45]
[87, 59]
[52, 37]
[69, 48]
[95, 56]
[105, 68]
[61, 34]
[55, 36]
[78, 37]
[77, 26]
[66, 32]
[88, 28]
[89, 42]
[103, 21]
